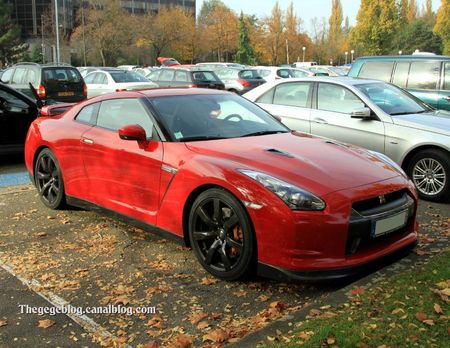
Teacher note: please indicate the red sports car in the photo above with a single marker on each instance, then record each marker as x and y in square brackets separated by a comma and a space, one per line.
[220, 174]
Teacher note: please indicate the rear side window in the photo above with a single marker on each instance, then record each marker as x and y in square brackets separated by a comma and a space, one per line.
[377, 70]
[30, 77]
[90, 78]
[61, 74]
[424, 75]
[401, 74]
[248, 74]
[166, 75]
[292, 94]
[100, 79]
[447, 77]
[19, 75]
[266, 98]
[88, 114]
[283, 73]
[204, 76]
[181, 76]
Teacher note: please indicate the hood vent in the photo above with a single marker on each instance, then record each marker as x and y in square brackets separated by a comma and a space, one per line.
[281, 153]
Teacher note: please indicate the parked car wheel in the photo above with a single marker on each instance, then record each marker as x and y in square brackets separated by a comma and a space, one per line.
[221, 234]
[430, 171]
[49, 181]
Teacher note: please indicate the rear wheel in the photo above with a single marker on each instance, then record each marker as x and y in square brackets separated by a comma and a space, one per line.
[48, 180]
[430, 172]
[221, 234]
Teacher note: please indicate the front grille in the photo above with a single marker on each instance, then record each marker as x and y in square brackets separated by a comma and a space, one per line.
[365, 214]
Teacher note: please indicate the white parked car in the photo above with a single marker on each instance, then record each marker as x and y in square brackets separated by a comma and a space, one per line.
[115, 80]
[272, 73]
[372, 114]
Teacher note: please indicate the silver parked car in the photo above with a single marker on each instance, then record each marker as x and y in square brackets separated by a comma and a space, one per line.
[372, 114]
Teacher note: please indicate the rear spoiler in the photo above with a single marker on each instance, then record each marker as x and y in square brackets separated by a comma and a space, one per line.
[55, 109]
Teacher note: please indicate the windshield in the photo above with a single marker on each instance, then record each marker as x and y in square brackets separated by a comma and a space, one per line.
[205, 117]
[127, 76]
[392, 100]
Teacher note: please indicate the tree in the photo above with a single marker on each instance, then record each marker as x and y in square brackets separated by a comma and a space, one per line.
[442, 27]
[403, 12]
[427, 13]
[273, 26]
[412, 10]
[377, 24]
[335, 30]
[245, 53]
[11, 48]
[419, 35]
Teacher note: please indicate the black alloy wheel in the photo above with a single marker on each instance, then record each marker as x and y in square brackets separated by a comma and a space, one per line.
[221, 235]
[48, 180]
[430, 172]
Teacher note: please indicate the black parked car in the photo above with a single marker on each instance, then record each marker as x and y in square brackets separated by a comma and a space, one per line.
[178, 77]
[53, 82]
[17, 111]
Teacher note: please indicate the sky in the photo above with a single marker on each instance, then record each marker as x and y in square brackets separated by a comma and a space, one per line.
[305, 9]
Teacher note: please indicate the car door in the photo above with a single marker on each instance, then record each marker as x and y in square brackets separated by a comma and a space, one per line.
[332, 118]
[124, 175]
[16, 114]
[292, 102]
[444, 93]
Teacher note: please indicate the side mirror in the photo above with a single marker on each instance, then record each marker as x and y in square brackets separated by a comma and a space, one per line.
[132, 132]
[363, 113]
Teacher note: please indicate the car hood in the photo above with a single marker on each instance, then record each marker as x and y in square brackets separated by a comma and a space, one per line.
[437, 121]
[319, 165]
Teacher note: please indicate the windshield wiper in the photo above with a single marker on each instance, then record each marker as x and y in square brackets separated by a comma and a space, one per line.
[201, 137]
[408, 113]
[265, 132]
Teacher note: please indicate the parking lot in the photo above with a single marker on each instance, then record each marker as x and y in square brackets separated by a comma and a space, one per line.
[89, 260]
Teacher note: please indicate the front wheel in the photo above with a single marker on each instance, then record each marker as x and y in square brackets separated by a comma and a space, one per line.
[221, 235]
[48, 180]
[430, 170]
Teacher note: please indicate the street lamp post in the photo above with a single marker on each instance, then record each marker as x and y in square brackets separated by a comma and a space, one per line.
[57, 32]
[303, 49]
[352, 52]
[346, 55]
[400, 52]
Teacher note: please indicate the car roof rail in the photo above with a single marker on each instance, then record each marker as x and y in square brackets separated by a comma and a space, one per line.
[57, 64]
[26, 63]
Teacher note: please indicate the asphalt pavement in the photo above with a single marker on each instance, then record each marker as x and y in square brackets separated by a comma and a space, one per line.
[88, 261]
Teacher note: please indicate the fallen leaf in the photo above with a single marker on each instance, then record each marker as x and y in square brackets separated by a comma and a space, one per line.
[428, 322]
[331, 340]
[398, 310]
[314, 312]
[42, 234]
[361, 345]
[46, 323]
[217, 336]
[357, 291]
[202, 325]
[263, 298]
[194, 318]
[3, 323]
[421, 316]
[182, 341]
[209, 281]
[151, 344]
[305, 335]
[438, 309]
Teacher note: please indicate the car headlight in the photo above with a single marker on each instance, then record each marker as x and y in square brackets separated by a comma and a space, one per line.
[295, 197]
[388, 161]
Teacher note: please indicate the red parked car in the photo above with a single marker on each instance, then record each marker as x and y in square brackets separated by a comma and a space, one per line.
[220, 174]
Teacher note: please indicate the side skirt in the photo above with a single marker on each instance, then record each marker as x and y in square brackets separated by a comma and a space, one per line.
[77, 202]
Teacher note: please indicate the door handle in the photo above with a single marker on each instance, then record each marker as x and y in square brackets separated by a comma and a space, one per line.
[320, 120]
[87, 141]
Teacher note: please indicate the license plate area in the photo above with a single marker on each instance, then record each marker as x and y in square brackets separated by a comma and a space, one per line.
[389, 224]
[66, 94]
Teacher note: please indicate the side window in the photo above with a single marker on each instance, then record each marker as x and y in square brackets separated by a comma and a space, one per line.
[10, 98]
[100, 79]
[181, 76]
[292, 94]
[6, 77]
[19, 75]
[266, 98]
[166, 75]
[116, 113]
[401, 74]
[447, 77]
[88, 114]
[377, 70]
[154, 75]
[424, 75]
[283, 73]
[337, 99]
[30, 77]
[90, 78]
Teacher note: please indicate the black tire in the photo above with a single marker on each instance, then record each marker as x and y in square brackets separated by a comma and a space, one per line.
[221, 235]
[49, 181]
[430, 172]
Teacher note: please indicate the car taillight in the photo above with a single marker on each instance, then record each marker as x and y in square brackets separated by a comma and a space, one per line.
[41, 91]
[84, 90]
[193, 85]
[244, 83]
[121, 90]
